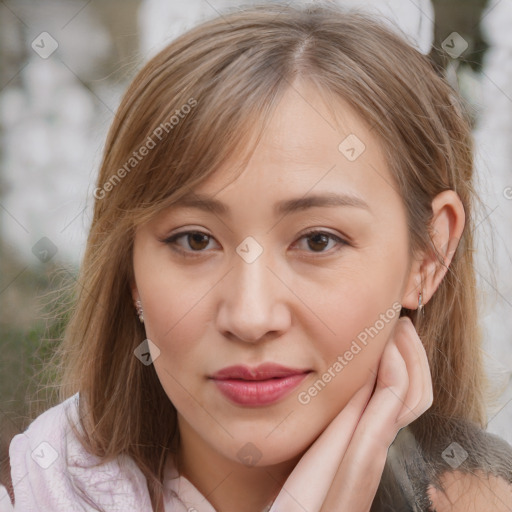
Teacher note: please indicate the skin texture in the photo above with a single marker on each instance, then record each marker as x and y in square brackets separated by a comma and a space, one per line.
[300, 303]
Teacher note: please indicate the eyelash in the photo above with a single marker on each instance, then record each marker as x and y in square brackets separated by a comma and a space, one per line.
[171, 241]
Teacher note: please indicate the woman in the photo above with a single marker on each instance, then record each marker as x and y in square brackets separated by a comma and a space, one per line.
[278, 280]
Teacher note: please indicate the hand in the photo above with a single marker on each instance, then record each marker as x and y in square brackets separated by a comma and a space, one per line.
[341, 471]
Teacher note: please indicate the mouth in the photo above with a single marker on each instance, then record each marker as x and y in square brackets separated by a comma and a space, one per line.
[258, 386]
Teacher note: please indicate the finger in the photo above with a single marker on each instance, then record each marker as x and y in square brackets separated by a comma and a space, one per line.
[359, 474]
[309, 482]
[404, 372]
[419, 395]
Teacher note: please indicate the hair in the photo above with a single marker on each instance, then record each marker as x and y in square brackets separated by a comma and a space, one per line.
[232, 72]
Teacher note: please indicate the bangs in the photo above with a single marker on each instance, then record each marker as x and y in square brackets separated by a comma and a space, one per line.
[195, 127]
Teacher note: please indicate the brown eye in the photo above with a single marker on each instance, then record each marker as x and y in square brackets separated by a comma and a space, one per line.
[197, 241]
[318, 241]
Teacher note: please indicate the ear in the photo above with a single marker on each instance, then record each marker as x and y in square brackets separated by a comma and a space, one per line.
[427, 271]
[135, 292]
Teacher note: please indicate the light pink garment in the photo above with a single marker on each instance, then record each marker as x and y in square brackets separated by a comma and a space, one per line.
[51, 471]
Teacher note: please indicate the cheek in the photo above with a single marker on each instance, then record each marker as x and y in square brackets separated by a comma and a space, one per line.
[360, 320]
[357, 319]
[351, 358]
[175, 309]
[176, 330]
[175, 317]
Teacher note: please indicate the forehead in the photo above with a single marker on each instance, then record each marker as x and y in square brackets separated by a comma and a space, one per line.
[310, 143]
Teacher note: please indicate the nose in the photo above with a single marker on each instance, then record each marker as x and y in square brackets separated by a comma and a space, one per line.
[253, 304]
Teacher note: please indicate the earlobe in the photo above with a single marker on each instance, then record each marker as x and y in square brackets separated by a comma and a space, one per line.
[135, 292]
[427, 271]
[137, 302]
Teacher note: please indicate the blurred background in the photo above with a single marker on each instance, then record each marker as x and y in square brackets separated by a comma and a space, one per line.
[64, 65]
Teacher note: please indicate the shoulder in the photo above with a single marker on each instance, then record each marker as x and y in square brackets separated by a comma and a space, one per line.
[473, 472]
[471, 491]
[460, 467]
[46, 438]
[34, 456]
[51, 470]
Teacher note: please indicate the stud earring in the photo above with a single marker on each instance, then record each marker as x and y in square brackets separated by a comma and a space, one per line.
[140, 312]
[420, 303]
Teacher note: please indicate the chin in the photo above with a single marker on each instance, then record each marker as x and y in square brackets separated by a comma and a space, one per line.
[263, 449]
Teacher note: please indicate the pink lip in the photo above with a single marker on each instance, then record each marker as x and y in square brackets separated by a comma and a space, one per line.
[261, 385]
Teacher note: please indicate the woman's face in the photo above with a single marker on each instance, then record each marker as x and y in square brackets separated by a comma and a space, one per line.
[253, 287]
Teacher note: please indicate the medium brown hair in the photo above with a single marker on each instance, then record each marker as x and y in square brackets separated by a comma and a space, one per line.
[237, 67]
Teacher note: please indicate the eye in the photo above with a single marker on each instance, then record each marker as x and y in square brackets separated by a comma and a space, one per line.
[195, 241]
[319, 240]
[198, 241]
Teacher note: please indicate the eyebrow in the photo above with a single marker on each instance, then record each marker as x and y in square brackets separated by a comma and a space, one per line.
[284, 207]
